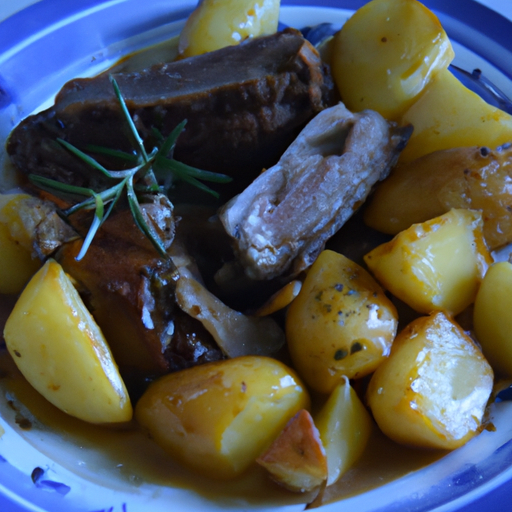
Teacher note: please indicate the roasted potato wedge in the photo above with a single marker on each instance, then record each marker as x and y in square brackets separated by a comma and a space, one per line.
[433, 389]
[435, 265]
[345, 427]
[340, 324]
[215, 24]
[492, 319]
[18, 263]
[296, 459]
[472, 177]
[449, 115]
[386, 54]
[217, 418]
[62, 353]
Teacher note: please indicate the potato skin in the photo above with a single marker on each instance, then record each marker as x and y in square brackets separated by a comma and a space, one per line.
[340, 324]
[433, 389]
[217, 418]
[296, 459]
[469, 177]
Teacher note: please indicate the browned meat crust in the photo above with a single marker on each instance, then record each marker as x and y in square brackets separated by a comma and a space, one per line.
[243, 104]
[131, 292]
[282, 220]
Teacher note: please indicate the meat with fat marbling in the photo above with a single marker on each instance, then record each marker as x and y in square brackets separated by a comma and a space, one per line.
[130, 290]
[282, 220]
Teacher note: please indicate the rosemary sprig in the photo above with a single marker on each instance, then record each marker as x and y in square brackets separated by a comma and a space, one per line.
[129, 120]
[120, 155]
[145, 176]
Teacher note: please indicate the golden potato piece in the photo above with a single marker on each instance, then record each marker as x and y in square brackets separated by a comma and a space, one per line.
[433, 389]
[61, 351]
[340, 324]
[386, 54]
[280, 299]
[436, 265]
[217, 418]
[449, 115]
[17, 263]
[215, 24]
[12, 214]
[492, 317]
[296, 459]
[474, 177]
[345, 426]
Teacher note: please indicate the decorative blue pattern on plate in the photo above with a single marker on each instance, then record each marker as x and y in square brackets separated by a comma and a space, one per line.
[52, 41]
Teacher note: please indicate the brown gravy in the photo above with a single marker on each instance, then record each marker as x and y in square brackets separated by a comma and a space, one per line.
[129, 457]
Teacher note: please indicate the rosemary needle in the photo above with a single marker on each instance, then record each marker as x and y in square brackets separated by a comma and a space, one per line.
[148, 169]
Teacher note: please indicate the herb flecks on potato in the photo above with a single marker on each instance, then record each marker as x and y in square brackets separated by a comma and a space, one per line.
[468, 177]
[340, 324]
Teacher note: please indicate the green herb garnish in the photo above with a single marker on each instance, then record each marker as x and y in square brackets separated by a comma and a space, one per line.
[151, 173]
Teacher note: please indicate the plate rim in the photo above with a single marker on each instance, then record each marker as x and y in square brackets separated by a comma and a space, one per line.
[473, 13]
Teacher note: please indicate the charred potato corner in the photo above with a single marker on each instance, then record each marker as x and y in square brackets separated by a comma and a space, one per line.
[266, 255]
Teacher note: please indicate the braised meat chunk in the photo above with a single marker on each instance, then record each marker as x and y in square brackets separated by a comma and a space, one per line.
[130, 290]
[243, 105]
[281, 221]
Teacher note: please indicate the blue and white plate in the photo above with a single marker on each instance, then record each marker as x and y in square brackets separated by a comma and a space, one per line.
[59, 466]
